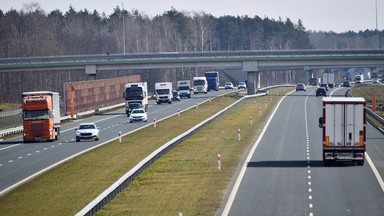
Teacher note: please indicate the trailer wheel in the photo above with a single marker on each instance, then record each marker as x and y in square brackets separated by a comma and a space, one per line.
[360, 162]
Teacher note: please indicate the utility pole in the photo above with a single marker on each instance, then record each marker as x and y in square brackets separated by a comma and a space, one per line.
[122, 12]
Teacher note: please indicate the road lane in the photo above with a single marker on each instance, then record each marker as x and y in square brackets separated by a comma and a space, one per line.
[20, 160]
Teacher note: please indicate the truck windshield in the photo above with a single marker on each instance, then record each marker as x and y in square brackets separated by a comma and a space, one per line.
[162, 91]
[184, 88]
[211, 75]
[134, 93]
[198, 82]
[134, 105]
[36, 114]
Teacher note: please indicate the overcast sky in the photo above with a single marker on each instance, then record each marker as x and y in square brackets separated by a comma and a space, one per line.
[325, 15]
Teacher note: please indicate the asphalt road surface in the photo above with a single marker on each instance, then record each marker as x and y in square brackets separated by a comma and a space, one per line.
[21, 162]
[285, 174]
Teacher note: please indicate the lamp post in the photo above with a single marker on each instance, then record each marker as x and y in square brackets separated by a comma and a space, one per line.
[377, 30]
[122, 12]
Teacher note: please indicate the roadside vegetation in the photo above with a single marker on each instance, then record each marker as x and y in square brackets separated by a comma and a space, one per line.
[185, 180]
[368, 92]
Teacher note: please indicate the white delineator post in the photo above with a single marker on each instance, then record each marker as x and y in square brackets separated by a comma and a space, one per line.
[238, 133]
[259, 110]
[251, 120]
[219, 162]
[271, 98]
[120, 136]
[265, 104]
[178, 112]
[154, 122]
[197, 106]
[210, 99]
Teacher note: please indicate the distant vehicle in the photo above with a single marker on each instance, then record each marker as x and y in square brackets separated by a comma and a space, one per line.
[242, 85]
[184, 88]
[163, 92]
[200, 85]
[375, 81]
[344, 129]
[41, 116]
[329, 78]
[138, 115]
[300, 87]
[213, 80]
[346, 83]
[359, 79]
[313, 82]
[136, 96]
[176, 96]
[324, 85]
[228, 85]
[259, 91]
[87, 131]
[382, 79]
[321, 92]
[337, 85]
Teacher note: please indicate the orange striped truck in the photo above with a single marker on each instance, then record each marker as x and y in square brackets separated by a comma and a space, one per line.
[344, 129]
[41, 116]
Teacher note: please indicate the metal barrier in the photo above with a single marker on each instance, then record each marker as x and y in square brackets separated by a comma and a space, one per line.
[10, 119]
[110, 193]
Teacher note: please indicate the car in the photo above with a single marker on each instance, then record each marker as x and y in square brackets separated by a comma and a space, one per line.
[312, 81]
[324, 85]
[259, 91]
[300, 87]
[138, 115]
[337, 85]
[382, 80]
[242, 85]
[346, 83]
[176, 96]
[228, 85]
[87, 131]
[321, 92]
[375, 80]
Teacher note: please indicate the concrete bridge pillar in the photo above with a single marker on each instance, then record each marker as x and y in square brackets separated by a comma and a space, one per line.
[308, 74]
[253, 76]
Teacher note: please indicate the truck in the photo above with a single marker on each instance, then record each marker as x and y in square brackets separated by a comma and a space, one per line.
[213, 80]
[136, 96]
[200, 85]
[184, 88]
[359, 79]
[329, 78]
[163, 92]
[41, 116]
[344, 129]
[313, 82]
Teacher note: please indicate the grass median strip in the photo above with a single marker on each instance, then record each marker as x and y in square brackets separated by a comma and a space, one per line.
[187, 179]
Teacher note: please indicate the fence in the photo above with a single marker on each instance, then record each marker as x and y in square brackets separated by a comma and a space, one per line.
[10, 119]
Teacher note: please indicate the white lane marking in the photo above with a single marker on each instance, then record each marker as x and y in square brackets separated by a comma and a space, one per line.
[243, 169]
[377, 174]
[10, 146]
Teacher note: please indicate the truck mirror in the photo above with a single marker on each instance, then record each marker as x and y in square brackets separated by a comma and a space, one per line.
[124, 95]
[321, 122]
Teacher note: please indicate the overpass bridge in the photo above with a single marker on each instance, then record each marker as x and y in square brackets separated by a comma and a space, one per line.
[252, 62]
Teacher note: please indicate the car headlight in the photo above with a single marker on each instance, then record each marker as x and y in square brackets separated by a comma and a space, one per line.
[77, 132]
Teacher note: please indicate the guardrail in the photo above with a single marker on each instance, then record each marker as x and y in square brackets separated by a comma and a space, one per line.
[110, 193]
[377, 118]
[218, 54]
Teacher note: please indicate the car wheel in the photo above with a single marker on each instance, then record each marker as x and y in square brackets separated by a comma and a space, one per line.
[97, 139]
[77, 140]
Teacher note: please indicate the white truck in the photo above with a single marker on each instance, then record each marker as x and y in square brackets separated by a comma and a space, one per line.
[136, 96]
[184, 88]
[200, 85]
[359, 79]
[344, 128]
[329, 78]
[163, 92]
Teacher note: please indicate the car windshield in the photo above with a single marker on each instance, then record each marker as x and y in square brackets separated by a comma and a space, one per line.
[137, 111]
[175, 94]
[228, 83]
[87, 126]
[241, 83]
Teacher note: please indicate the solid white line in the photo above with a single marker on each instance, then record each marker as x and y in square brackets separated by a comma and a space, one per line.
[243, 169]
[10, 146]
[378, 177]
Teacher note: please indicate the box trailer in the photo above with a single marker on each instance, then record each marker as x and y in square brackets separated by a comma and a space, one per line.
[344, 128]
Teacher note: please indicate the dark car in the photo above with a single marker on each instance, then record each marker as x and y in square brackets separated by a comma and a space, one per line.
[176, 95]
[321, 92]
[300, 87]
[346, 84]
[324, 85]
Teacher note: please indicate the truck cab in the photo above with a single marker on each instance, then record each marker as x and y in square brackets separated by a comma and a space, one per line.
[135, 95]
[200, 85]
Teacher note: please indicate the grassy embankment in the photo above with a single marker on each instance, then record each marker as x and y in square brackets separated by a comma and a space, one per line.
[368, 92]
[185, 180]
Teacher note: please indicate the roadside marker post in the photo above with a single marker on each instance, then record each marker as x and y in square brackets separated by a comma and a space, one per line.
[120, 136]
[178, 112]
[154, 122]
[265, 104]
[374, 104]
[219, 162]
[238, 133]
[251, 120]
[271, 98]
[210, 99]
[197, 106]
[259, 110]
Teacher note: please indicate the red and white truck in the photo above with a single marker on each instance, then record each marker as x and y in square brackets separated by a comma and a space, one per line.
[41, 116]
[344, 129]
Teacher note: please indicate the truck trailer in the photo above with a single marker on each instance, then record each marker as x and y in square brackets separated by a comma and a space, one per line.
[136, 96]
[344, 129]
[41, 116]
[329, 78]
[163, 92]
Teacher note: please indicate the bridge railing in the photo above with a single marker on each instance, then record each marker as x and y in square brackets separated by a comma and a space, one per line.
[173, 55]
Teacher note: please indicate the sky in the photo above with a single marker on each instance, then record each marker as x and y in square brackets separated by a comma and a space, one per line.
[316, 15]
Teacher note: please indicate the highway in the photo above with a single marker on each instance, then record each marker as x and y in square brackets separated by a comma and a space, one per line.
[20, 162]
[285, 174]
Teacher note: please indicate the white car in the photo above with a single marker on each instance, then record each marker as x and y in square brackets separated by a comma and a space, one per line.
[228, 85]
[241, 85]
[87, 131]
[138, 115]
